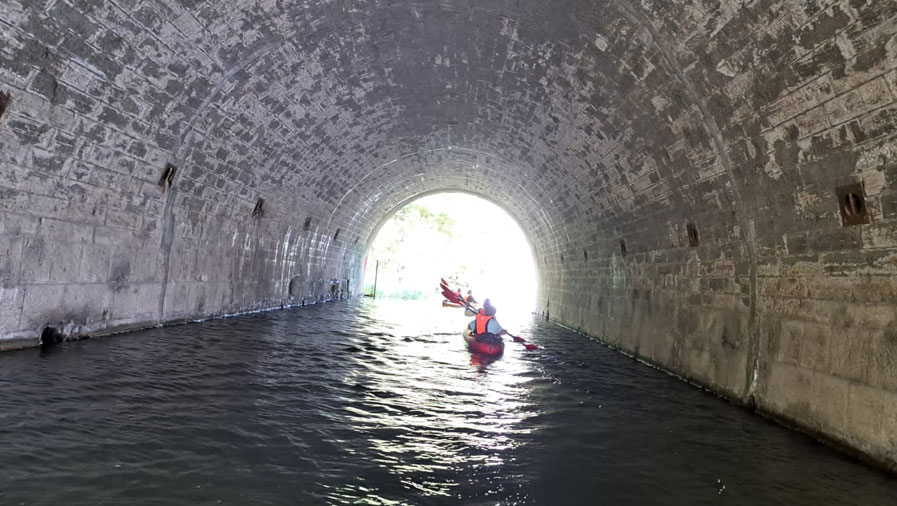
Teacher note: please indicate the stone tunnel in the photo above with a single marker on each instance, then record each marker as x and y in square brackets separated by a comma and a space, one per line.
[708, 185]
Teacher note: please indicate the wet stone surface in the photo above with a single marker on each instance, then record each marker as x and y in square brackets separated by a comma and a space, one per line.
[380, 403]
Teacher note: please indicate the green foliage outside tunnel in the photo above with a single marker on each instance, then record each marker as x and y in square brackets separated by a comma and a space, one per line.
[398, 247]
[461, 238]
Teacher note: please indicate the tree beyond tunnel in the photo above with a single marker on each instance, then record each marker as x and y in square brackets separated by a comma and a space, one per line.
[464, 239]
[706, 185]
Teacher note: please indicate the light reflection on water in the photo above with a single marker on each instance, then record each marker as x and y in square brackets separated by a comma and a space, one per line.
[379, 403]
[452, 408]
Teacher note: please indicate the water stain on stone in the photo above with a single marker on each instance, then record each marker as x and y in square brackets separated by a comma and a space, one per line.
[118, 279]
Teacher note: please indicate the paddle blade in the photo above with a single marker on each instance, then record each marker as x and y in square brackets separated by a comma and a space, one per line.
[531, 346]
[451, 296]
[517, 339]
[446, 291]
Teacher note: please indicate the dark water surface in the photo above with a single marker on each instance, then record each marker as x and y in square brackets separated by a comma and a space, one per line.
[380, 403]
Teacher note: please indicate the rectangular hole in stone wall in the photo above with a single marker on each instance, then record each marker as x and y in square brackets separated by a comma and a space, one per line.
[259, 210]
[623, 248]
[336, 234]
[307, 224]
[4, 103]
[692, 231]
[852, 204]
[294, 286]
[167, 178]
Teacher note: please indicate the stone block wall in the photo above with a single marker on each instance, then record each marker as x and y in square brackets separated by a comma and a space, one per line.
[778, 302]
[98, 101]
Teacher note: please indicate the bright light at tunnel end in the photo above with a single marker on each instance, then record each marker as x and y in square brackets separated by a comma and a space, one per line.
[470, 241]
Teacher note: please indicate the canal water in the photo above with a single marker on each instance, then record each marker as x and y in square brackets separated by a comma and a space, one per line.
[369, 402]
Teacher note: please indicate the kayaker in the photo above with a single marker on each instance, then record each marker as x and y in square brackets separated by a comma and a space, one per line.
[469, 298]
[485, 322]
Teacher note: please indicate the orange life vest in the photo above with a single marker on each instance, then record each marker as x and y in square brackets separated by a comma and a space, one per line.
[482, 322]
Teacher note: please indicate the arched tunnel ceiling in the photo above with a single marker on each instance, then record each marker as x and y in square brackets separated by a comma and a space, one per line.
[319, 97]
[328, 96]
[707, 184]
[615, 117]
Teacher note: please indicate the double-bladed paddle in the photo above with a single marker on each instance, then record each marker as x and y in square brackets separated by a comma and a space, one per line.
[453, 297]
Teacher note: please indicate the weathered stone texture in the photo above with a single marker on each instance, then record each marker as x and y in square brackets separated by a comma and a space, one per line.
[705, 138]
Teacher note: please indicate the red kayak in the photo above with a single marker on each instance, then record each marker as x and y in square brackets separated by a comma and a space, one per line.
[486, 344]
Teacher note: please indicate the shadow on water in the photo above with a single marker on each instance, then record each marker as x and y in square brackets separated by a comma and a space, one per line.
[380, 403]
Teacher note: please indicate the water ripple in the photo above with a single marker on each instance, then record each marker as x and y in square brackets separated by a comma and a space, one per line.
[380, 403]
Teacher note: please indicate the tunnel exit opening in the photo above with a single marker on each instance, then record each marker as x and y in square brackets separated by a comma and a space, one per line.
[471, 242]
